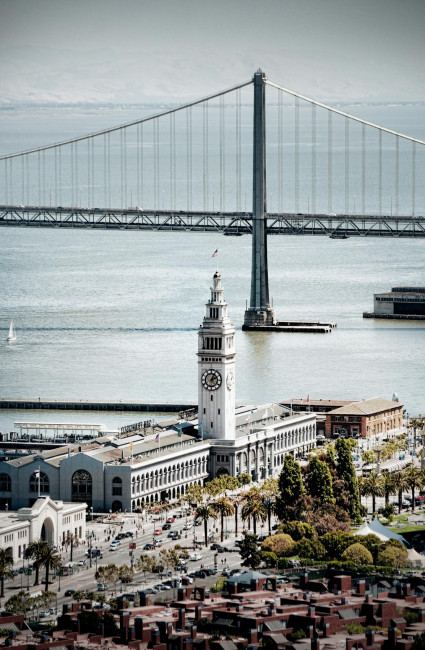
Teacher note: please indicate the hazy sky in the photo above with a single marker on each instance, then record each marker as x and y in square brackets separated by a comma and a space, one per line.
[149, 50]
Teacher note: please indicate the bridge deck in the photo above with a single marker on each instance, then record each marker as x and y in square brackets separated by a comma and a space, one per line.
[229, 223]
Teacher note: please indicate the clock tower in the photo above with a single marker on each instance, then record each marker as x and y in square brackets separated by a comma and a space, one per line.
[216, 368]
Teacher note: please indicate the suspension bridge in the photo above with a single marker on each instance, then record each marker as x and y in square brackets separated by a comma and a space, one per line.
[196, 166]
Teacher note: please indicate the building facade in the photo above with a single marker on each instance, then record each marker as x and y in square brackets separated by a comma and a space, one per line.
[370, 418]
[49, 520]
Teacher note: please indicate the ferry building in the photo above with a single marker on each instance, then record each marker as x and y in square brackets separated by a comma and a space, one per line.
[159, 462]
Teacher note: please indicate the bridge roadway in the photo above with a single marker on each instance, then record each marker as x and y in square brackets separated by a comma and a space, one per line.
[229, 223]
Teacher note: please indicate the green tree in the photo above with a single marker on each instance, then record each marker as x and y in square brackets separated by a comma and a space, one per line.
[358, 554]
[269, 491]
[35, 550]
[254, 508]
[393, 554]
[400, 484]
[372, 543]
[414, 481]
[244, 478]
[281, 544]
[49, 559]
[347, 472]
[290, 486]
[251, 556]
[419, 642]
[107, 573]
[368, 457]
[318, 481]
[312, 549]
[215, 487]
[224, 508]
[388, 485]
[297, 530]
[336, 543]
[125, 573]
[6, 564]
[194, 493]
[145, 564]
[205, 513]
[372, 486]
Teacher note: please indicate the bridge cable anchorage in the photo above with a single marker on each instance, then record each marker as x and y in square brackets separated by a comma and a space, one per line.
[113, 129]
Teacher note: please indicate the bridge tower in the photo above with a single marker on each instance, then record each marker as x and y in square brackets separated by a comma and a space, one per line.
[259, 312]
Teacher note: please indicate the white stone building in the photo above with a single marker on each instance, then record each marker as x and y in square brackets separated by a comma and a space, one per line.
[46, 519]
[113, 472]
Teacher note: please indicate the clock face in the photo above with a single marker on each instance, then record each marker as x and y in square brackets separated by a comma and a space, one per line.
[211, 379]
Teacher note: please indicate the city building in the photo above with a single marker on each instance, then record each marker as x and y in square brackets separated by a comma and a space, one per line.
[52, 521]
[400, 302]
[160, 461]
[371, 418]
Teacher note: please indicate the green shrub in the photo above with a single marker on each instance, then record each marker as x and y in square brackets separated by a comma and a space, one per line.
[411, 617]
[354, 628]
[296, 635]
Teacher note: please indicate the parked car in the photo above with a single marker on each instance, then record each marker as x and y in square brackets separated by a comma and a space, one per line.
[234, 572]
[69, 592]
[225, 572]
[186, 580]
[82, 562]
[197, 522]
[44, 613]
[194, 557]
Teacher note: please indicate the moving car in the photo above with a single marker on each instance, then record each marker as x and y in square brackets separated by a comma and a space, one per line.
[148, 547]
[157, 531]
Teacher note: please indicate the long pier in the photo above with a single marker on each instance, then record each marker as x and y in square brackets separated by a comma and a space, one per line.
[83, 405]
[339, 226]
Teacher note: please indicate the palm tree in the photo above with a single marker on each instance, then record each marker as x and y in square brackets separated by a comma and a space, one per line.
[414, 480]
[50, 559]
[269, 491]
[372, 486]
[224, 508]
[254, 507]
[35, 550]
[6, 563]
[400, 484]
[388, 485]
[205, 513]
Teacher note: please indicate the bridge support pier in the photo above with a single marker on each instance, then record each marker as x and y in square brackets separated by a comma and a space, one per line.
[259, 313]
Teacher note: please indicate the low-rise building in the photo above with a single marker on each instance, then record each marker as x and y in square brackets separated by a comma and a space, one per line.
[370, 418]
[47, 520]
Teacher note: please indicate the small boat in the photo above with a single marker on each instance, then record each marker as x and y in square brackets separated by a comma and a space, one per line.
[12, 336]
[337, 235]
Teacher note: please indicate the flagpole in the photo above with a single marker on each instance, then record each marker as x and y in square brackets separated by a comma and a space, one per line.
[39, 481]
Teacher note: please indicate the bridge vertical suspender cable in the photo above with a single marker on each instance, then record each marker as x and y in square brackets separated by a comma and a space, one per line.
[363, 169]
[279, 152]
[347, 166]
[397, 173]
[297, 153]
[330, 162]
[380, 172]
[313, 158]
[222, 156]
[413, 179]
[205, 155]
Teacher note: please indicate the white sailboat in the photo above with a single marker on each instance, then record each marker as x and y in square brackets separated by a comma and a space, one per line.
[12, 335]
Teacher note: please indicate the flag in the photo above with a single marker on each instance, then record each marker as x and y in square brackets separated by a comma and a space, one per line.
[215, 253]
[157, 438]
[247, 419]
[272, 406]
[179, 433]
[308, 398]
[37, 473]
[131, 446]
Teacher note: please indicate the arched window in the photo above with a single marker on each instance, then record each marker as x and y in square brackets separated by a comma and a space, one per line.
[42, 482]
[5, 483]
[116, 506]
[117, 486]
[82, 486]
